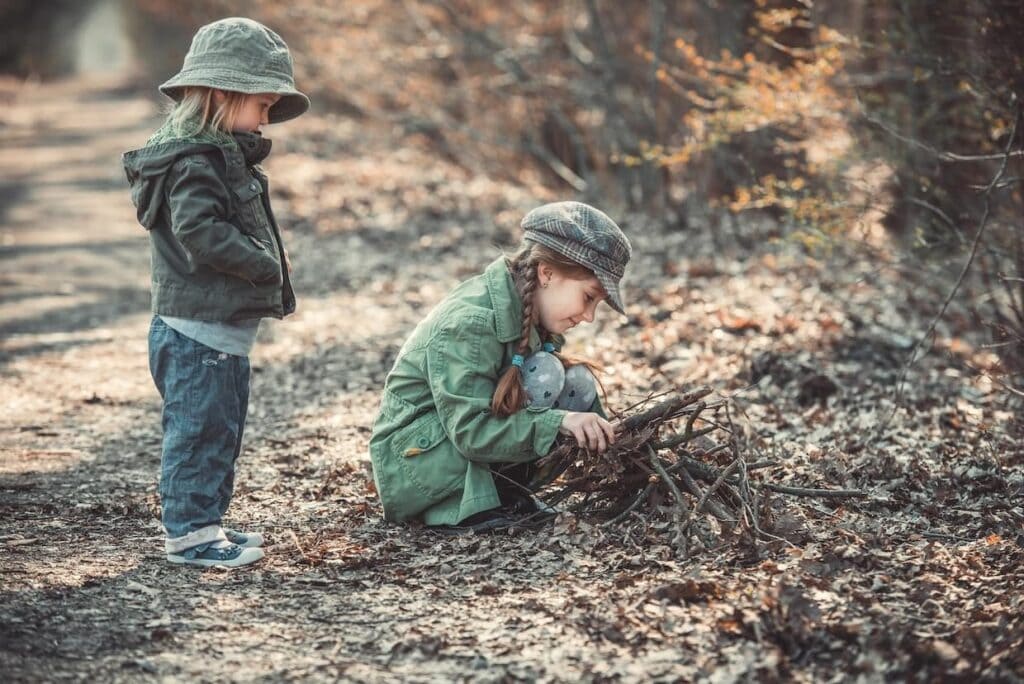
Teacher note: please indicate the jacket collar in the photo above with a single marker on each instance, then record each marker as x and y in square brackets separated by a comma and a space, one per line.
[254, 147]
[507, 304]
[505, 300]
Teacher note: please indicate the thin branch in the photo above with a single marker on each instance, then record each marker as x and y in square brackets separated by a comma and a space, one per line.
[295, 540]
[941, 214]
[663, 410]
[808, 491]
[716, 510]
[709, 491]
[675, 440]
[632, 507]
[681, 508]
[941, 155]
[556, 165]
[898, 398]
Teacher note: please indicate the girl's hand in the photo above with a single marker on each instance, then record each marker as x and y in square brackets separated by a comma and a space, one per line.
[590, 430]
[287, 261]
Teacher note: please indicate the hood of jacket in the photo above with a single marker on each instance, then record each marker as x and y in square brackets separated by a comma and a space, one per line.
[147, 167]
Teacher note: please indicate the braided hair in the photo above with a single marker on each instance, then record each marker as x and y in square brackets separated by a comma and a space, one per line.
[510, 395]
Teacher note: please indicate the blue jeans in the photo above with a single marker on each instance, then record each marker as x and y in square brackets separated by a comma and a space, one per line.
[206, 395]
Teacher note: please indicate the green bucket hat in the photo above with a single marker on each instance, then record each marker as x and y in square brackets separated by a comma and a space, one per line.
[587, 236]
[243, 56]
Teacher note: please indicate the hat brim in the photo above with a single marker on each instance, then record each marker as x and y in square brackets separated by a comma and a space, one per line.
[292, 103]
[611, 286]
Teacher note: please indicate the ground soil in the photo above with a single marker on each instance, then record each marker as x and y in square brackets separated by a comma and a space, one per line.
[920, 580]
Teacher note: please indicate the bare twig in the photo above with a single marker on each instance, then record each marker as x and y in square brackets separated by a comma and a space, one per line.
[809, 491]
[716, 510]
[678, 440]
[641, 497]
[939, 154]
[664, 410]
[680, 509]
[309, 559]
[712, 489]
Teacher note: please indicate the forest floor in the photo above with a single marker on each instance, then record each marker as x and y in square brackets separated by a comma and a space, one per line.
[923, 579]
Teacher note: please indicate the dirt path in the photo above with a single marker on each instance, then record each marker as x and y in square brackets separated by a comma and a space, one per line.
[907, 582]
[85, 590]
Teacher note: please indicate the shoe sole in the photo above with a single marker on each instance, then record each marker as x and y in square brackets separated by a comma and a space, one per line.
[250, 555]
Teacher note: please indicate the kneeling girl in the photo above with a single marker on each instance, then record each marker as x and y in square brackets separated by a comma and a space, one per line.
[476, 394]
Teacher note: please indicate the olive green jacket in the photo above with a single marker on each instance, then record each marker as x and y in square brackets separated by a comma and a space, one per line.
[434, 437]
[216, 248]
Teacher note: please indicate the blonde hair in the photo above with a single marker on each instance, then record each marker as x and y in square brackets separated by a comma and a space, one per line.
[510, 395]
[198, 112]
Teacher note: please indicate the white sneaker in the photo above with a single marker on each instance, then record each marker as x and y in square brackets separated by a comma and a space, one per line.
[220, 553]
[247, 540]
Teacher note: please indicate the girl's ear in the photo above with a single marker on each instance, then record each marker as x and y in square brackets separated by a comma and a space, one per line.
[219, 96]
[544, 273]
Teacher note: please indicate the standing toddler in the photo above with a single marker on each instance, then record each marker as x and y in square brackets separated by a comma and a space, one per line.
[218, 267]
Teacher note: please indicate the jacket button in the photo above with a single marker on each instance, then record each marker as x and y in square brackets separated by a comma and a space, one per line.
[252, 186]
[423, 442]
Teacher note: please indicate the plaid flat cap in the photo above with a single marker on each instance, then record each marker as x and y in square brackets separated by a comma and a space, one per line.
[243, 56]
[587, 236]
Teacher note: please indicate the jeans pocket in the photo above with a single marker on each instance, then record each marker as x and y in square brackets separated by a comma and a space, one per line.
[213, 376]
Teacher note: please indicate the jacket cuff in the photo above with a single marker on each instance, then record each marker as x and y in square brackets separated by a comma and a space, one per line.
[547, 430]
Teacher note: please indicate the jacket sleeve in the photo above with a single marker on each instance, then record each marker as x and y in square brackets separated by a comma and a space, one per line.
[199, 206]
[463, 362]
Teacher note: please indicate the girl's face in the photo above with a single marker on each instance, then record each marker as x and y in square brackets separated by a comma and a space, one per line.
[253, 113]
[563, 302]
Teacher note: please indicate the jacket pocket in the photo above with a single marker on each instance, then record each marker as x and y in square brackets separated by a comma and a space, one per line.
[428, 458]
[272, 274]
[424, 435]
[253, 223]
[251, 214]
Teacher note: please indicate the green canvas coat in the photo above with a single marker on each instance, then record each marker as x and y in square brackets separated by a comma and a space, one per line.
[216, 248]
[434, 436]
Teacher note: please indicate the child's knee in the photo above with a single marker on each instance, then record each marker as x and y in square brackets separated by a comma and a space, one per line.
[549, 384]
[543, 379]
[579, 391]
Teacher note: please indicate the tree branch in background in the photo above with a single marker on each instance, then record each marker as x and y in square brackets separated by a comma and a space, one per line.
[982, 224]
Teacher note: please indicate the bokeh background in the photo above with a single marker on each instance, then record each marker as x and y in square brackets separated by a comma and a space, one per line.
[879, 123]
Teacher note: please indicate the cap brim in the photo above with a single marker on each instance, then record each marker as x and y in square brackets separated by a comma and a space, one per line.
[611, 285]
[292, 103]
[288, 107]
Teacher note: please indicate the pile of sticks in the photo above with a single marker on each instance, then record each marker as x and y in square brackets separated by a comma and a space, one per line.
[676, 461]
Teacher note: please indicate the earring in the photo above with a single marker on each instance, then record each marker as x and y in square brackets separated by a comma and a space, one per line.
[544, 284]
